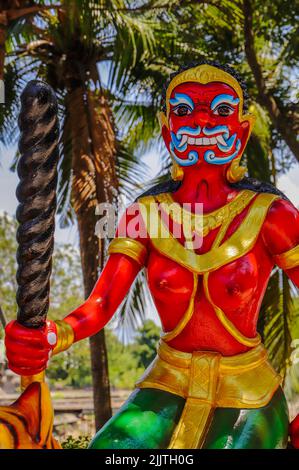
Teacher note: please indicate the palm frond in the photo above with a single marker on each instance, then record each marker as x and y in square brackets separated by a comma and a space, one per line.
[277, 319]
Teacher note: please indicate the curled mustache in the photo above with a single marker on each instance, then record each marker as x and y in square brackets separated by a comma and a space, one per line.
[188, 135]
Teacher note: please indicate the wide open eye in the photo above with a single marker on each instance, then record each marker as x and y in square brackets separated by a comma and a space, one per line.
[182, 110]
[223, 110]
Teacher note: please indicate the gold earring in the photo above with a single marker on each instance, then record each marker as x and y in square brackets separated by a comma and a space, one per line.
[235, 171]
[177, 172]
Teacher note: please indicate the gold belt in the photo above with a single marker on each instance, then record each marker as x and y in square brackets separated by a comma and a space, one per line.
[208, 380]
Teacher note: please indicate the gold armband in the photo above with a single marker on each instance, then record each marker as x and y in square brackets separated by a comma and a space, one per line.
[289, 259]
[129, 247]
[65, 336]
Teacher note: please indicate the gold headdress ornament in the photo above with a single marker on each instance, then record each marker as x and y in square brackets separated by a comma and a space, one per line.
[206, 74]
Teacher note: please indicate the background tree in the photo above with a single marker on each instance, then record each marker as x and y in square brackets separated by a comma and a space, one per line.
[146, 342]
[66, 47]
[8, 267]
[12, 13]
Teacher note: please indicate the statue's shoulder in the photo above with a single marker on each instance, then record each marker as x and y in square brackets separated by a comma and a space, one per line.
[252, 184]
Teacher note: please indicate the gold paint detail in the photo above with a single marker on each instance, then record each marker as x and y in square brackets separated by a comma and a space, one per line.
[132, 248]
[204, 223]
[177, 172]
[186, 317]
[289, 259]
[226, 323]
[237, 245]
[208, 380]
[192, 427]
[26, 380]
[204, 74]
[235, 171]
[65, 336]
[221, 217]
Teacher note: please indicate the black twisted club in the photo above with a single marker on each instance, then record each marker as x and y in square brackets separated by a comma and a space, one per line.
[36, 193]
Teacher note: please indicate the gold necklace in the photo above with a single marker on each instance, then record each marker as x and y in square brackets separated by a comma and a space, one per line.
[204, 223]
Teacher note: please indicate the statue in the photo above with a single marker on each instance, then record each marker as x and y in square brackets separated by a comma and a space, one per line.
[210, 385]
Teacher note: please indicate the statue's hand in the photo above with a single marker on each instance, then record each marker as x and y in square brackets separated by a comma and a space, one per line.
[27, 349]
[294, 432]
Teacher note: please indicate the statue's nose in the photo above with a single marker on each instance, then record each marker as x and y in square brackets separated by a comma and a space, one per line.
[203, 118]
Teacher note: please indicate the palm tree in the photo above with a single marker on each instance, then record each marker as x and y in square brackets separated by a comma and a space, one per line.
[13, 12]
[66, 49]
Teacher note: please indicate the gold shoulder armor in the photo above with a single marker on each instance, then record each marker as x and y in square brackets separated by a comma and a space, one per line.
[127, 246]
[289, 259]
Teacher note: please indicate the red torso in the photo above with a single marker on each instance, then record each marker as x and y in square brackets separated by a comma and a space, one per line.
[237, 288]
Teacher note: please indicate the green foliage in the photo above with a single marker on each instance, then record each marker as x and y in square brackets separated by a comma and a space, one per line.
[8, 266]
[278, 321]
[66, 292]
[146, 343]
[124, 369]
[72, 367]
[126, 362]
[66, 281]
[80, 442]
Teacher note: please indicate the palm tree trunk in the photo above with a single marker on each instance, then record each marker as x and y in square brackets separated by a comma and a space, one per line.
[3, 32]
[94, 181]
[90, 249]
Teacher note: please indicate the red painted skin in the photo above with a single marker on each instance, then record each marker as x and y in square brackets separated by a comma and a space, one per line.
[237, 288]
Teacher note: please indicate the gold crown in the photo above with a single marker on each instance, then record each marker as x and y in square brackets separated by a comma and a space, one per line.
[204, 74]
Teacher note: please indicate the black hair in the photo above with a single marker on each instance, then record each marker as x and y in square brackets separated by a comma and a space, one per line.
[214, 63]
[171, 186]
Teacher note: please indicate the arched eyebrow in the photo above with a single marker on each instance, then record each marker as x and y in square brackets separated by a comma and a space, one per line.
[181, 98]
[224, 98]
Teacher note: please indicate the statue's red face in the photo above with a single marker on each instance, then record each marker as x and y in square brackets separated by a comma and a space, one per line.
[204, 124]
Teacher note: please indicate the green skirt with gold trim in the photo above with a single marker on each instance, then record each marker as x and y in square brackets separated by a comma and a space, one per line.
[201, 400]
[149, 417]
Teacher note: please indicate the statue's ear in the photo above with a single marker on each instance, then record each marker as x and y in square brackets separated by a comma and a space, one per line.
[247, 124]
[165, 130]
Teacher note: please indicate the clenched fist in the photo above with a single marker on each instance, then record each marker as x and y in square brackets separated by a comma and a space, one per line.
[27, 349]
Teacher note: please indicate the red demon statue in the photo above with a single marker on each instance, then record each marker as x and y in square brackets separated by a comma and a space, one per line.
[210, 385]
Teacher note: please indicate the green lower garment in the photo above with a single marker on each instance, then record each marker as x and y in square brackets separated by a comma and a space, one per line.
[149, 417]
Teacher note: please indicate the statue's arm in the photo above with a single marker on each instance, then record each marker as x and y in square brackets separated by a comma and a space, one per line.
[28, 349]
[108, 293]
[281, 237]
